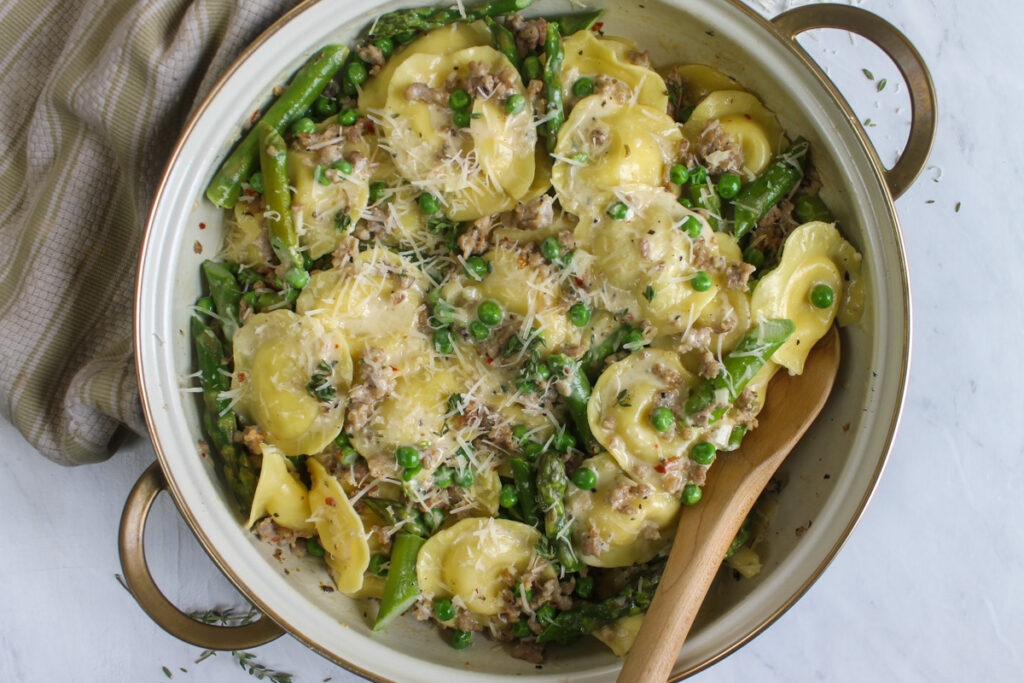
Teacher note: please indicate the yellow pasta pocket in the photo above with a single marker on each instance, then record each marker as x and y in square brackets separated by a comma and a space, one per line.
[621, 522]
[472, 558]
[477, 166]
[291, 378]
[340, 529]
[809, 287]
[377, 295]
[607, 148]
[280, 494]
[614, 63]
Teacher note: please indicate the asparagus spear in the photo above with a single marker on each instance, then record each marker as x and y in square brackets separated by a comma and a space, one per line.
[740, 365]
[593, 360]
[571, 372]
[526, 492]
[504, 41]
[400, 587]
[809, 208]
[226, 295]
[428, 18]
[394, 512]
[775, 182]
[552, 484]
[573, 23]
[555, 113]
[218, 419]
[587, 617]
[277, 195]
[307, 84]
[704, 196]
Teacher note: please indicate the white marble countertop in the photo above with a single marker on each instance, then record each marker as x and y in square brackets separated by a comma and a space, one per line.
[929, 586]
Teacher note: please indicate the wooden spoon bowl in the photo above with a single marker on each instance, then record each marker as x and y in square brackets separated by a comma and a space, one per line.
[733, 485]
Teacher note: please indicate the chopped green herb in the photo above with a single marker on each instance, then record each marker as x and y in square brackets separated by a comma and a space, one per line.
[649, 293]
[623, 399]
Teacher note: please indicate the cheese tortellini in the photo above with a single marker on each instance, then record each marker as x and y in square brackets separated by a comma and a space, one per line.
[292, 375]
[815, 254]
[470, 560]
[621, 522]
[340, 529]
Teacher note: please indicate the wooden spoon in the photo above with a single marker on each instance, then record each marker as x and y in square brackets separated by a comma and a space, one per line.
[707, 529]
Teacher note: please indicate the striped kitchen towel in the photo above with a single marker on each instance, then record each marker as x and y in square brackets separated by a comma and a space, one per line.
[93, 94]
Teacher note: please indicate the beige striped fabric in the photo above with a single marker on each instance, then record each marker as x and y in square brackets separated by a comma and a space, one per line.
[93, 95]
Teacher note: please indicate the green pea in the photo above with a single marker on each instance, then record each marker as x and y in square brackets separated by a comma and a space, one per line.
[476, 268]
[546, 614]
[619, 211]
[489, 312]
[459, 99]
[521, 629]
[343, 166]
[678, 174]
[585, 478]
[303, 125]
[377, 191]
[444, 610]
[324, 107]
[313, 547]
[520, 432]
[348, 117]
[515, 104]
[662, 419]
[692, 227]
[443, 477]
[633, 340]
[478, 330]
[409, 473]
[429, 204]
[386, 45]
[822, 296]
[531, 449]
[348, 456]
[465, 477]
[729, 185]
[583, 87]
[579, 314]
[461, 639]
[585, 586]
[377, 562]
[754, 256]
[508, 496]
[550, 249]
[461, 118]
[691, 494]
[703, 453]
[532, 68]
[256, 182]
[407, 456]
[356, 72]
[563, 441]
[685, 201]
[434, 518]
[701, 281]
[296, 277]
[542, 371]
[443, 342]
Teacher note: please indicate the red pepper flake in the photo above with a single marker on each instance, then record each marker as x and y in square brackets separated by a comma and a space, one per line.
[596, 28]
[368, 126]
[330, 501]
[202, 226]
[748, 117]
[255, 117]
[275, 539]
[490, 360]
[578, 280]
[241, 377]
[335, 346]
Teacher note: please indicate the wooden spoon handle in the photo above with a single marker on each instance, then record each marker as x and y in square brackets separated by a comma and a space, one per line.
[702, 539]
